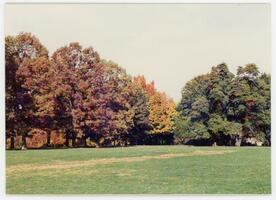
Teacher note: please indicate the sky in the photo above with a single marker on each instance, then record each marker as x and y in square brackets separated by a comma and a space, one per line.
[167, 43]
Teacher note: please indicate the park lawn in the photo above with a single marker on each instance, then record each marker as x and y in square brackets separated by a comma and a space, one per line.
[140, 170]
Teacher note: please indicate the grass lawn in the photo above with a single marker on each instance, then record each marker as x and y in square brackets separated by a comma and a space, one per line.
[142, 169]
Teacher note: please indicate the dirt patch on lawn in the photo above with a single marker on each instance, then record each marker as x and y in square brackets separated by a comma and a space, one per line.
[74, 164]
[124, 173]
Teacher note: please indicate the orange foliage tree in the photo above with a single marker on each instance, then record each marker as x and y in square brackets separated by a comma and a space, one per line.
[75, 96]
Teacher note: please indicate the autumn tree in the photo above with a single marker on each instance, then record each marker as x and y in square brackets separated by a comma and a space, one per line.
[162, 113]
[92, 97]
[36, 77]
[118, 103]
[72, 66]
[140, 105]
[12, 106]
[19, 101]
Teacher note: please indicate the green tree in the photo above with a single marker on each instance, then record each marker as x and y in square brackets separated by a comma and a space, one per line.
[225, 108]
[250, 102]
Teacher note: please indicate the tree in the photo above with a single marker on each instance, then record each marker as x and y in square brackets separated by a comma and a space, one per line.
[11, 89]
[225, 108]
[250, 102]
[264, 118]
[67, 62]
[19, 102]
[118, 86]
[162, 113]
[194, 108]
[36, 77]
[224, 131]
[140, 105]
[93, 100]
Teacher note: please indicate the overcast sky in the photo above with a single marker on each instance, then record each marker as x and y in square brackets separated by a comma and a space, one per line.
[168, 43]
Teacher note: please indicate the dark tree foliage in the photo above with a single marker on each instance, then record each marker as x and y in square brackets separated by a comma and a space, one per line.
[224, 109]
[250, 103]
[140, 104]
[19, 99]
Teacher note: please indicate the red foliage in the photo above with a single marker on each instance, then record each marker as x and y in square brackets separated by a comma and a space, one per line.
[148, 87]
[151, 88]
[57, 138]
[141, 81]
[37, 139]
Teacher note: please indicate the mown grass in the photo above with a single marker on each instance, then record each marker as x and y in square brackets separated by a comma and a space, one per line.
[245, 170]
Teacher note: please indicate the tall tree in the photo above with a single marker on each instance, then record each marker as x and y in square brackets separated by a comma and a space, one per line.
[36, 77]
[250, 102]
[194, 109]
[227, 108]
[162, 113]
[118, 85]
[140, 105]
[19, 102]
[67, 61]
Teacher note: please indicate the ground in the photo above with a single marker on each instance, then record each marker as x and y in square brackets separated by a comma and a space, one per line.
[141, 169]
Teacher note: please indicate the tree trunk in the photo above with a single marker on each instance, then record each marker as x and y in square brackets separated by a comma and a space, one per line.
[85, 141]
[67, 142]
[67, 139]
[12, 142]
[24, 142]
[74, 141]
[48, 138]
[238, 141]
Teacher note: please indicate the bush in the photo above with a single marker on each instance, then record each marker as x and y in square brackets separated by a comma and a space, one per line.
[57, 138]
[37, 139]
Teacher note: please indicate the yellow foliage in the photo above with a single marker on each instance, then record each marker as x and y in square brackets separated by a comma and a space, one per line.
[162, 112]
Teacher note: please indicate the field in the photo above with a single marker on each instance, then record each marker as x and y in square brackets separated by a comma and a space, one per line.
[143, 169]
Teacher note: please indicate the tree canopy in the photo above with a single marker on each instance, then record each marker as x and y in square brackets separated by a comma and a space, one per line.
[76, 98]
[226, 109]
[76, 93]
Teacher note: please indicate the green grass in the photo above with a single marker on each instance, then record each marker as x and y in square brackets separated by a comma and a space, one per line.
[246, 170]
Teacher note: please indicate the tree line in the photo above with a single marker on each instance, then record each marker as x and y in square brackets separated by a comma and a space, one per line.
[77, 96]
[74, 98]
